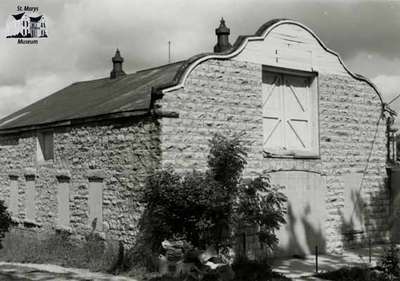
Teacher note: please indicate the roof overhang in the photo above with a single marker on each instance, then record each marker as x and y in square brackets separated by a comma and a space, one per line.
[77, 121]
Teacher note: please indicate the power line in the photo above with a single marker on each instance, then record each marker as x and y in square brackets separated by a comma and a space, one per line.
[394, 99]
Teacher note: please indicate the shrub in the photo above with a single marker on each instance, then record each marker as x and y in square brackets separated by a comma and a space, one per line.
[207, 208]
[5, 221]
[260, 204]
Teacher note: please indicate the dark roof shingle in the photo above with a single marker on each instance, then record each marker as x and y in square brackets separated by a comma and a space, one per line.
[94, 98]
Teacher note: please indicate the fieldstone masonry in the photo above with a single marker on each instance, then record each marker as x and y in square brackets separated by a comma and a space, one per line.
[121, 154]
[219, 96]
[225, 96]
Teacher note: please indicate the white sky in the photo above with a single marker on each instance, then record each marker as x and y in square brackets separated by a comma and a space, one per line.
[83, 36]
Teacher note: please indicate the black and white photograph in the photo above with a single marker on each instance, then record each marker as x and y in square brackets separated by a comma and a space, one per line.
[199, 140]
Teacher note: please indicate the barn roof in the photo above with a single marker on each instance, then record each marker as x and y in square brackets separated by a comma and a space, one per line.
[130, 94]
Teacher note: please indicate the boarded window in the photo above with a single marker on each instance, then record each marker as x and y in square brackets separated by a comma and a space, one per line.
[306, 212]
[290, 114]
[45, 146]
[352, 214]
[63, 211]
[13, 199]
[30, 212]
[96, 203]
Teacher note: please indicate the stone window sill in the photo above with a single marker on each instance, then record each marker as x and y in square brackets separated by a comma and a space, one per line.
[101, 235]
[29, 172]
[31, 223]
[45, 163]
[16, 220]
[291, 155]
[63, 229]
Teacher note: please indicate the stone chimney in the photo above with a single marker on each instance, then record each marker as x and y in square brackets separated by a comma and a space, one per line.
[222, 33]
[117, 66]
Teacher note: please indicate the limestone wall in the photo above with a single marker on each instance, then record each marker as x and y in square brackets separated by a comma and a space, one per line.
[118, 154]
[221, 96]
[225, 96]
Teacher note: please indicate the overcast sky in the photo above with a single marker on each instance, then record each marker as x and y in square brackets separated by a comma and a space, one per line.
[83, 36]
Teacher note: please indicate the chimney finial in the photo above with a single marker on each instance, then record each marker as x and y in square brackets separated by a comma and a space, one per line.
[222, 33]
[117, 61]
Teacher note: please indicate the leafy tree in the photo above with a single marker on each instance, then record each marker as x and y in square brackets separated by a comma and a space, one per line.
[226, 161]
[207, 208]
[5, 221]
[261, 204]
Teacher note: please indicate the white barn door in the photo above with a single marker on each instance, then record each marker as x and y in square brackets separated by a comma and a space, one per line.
[273, 122]
[289, 109]
[297, 112]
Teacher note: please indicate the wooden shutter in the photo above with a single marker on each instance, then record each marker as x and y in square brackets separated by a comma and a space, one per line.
[352, 214]
[48, 145]
[13, 199]
[63, 201]
[96, 204]
[272, 112]
[30, 212]
[297, 111]
[45, 146]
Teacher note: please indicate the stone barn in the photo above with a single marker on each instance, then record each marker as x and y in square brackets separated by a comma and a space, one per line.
[76, 159]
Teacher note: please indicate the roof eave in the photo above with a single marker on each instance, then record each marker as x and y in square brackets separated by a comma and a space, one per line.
[76, 121]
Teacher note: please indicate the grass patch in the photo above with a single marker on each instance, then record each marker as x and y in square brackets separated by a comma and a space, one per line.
[59, 248]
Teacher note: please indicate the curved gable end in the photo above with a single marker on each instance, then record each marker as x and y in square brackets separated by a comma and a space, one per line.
[308, 123]
[290, 45]
[281, 43]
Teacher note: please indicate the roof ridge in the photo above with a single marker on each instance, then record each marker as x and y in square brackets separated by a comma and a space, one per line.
[161, 66]
[128, 74]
